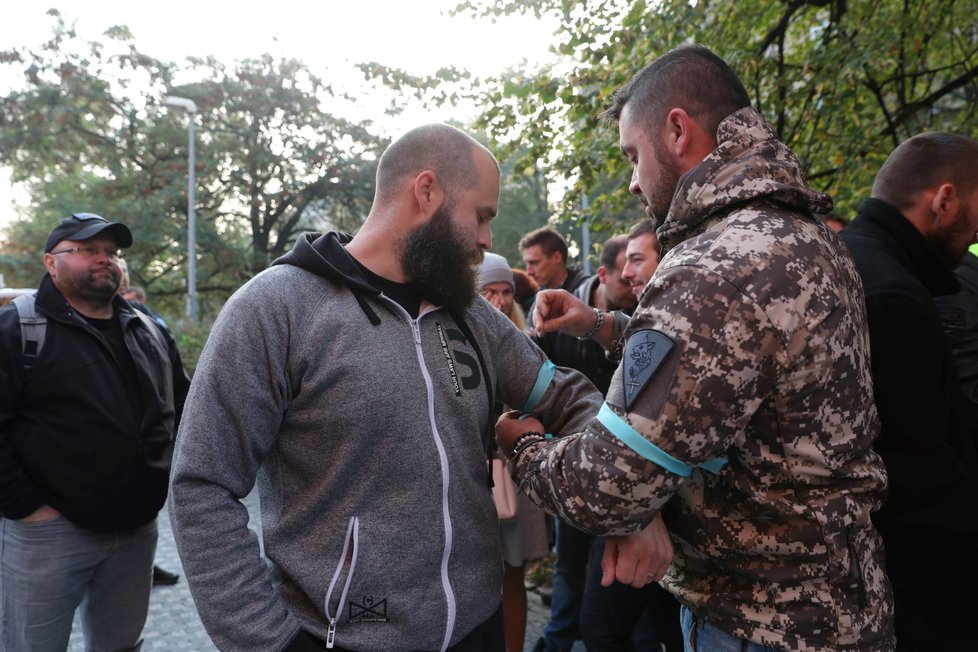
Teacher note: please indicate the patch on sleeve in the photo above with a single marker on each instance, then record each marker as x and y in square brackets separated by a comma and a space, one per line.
[644, 353]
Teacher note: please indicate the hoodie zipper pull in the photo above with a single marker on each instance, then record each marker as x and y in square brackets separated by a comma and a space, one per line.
[331, 634]
[417, 331]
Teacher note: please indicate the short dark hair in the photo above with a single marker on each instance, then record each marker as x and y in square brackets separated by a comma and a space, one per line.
[524, 286]
[610, 250]
[441, 148]
[547, 239]
[690, 77]
[641, 228]
[923, 162]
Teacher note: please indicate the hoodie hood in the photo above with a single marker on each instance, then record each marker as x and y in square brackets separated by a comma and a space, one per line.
[749, 163]
[324, 254]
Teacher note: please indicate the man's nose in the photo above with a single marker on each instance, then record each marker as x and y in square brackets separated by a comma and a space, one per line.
[485, 237]
[633, 186]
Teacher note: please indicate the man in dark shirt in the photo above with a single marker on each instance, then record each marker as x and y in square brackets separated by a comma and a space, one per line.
[545, 257]
[606, 291]
[906, 241]
[87, 417]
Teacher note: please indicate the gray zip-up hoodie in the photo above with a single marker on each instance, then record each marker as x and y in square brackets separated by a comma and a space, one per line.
[367, 431]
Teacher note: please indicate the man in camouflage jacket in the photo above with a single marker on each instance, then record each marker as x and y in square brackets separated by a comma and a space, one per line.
[744, 389]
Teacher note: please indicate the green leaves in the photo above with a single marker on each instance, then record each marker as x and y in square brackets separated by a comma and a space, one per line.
[843, 82]
[88, 131]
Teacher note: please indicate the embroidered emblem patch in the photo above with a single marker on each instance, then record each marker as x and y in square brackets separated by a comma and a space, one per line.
[645, 351]
[369, 611]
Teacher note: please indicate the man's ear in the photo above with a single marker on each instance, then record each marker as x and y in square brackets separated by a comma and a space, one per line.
[602, 275]
[49, 264]
[686, 140]
[428, 192]
[678, 136]
[945, 203]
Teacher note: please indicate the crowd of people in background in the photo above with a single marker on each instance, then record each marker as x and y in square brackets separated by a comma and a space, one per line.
[753, 428]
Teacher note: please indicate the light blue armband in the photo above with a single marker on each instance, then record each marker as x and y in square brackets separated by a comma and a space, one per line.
[631, 438]
[545, 375]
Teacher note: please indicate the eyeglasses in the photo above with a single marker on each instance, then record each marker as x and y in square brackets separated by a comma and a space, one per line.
[112, 253]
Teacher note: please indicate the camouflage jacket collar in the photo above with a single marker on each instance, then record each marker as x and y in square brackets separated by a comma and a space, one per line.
[749, 164]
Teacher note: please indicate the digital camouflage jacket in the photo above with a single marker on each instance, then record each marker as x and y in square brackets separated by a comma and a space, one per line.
[743, 409]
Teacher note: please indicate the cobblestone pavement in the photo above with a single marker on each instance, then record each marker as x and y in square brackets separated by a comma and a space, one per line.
[174, 626]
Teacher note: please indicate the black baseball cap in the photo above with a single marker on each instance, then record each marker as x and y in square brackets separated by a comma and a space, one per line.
[82, 226]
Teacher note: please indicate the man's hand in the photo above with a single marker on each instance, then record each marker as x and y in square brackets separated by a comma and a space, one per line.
[559, 310]
[41, 514]
[638, 558]
[509, 427]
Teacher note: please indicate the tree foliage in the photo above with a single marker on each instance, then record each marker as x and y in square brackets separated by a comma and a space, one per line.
[88, 131]
[842, 82]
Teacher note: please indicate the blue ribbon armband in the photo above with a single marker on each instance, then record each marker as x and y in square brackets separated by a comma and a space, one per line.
[544, 376]
[631, 438]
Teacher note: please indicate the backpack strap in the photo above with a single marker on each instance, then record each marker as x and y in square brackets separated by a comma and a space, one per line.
[33, 329]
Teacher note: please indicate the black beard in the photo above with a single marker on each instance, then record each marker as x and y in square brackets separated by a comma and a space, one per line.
[436, 260]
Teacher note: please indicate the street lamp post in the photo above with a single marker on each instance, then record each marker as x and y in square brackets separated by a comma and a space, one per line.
[191, 108]
[586, 235]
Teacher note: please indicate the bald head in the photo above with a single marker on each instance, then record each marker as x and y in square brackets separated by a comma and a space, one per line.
[442, 149]
[691, 78]
[923, 163]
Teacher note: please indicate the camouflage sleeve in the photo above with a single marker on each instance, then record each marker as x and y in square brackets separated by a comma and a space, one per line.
[698, 361]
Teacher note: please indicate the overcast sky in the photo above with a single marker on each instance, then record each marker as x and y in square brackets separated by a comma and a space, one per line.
[416, 35]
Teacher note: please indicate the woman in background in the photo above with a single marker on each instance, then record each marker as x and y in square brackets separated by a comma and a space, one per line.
[524, 537]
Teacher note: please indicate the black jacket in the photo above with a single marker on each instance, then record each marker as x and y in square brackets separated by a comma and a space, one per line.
[69, 435]
[930, 518]
[959, 313]
[587, 356]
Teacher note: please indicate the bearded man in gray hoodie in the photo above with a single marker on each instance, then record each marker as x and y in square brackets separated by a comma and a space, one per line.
[354, 381]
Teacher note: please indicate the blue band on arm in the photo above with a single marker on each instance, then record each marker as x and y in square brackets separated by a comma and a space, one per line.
[631, 438]
[714, 465]
[544, 377]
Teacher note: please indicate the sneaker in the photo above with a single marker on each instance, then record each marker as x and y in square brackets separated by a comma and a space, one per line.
[164, 578]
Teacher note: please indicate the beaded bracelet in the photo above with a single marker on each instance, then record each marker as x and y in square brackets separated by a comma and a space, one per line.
[526, 439]
[598, 323]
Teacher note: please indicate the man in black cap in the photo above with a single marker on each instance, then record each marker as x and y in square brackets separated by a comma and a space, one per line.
[90, 393]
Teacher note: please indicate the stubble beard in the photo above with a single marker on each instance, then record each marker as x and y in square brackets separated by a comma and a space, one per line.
[660, 198]
[95, 286]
